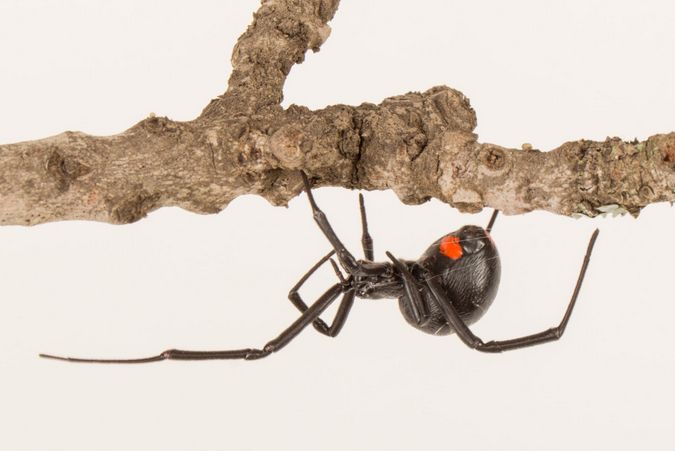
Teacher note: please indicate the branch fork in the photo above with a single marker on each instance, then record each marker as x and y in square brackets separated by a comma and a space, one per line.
[421, 145]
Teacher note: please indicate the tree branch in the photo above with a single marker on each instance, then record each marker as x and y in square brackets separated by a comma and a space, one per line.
[421, 145]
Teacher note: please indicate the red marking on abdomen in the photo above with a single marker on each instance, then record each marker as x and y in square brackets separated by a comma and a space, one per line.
[450, 247]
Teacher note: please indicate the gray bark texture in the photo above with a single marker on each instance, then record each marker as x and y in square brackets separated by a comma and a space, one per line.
[421, 145]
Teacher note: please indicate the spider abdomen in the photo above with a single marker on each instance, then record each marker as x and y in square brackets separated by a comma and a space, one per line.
[473, 294]
[466, 265]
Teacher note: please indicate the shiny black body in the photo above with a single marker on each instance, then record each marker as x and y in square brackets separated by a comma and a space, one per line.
[442, 292]
[469, 283]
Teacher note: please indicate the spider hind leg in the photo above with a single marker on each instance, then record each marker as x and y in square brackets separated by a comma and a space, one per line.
[475, 342]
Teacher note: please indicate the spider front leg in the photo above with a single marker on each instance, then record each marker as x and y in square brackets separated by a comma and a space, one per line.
[345, 304]
[347, 260]
[473, 341]
[366, 239]
[274, 345]
[348, 299]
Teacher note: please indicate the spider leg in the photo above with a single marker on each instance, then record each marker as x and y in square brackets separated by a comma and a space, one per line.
[296, 299]
[345, 304]
[340, 317]
[347, 260]
[493, 218]
[366, 239]
[418, 307]
[473, 341]
[307, 317]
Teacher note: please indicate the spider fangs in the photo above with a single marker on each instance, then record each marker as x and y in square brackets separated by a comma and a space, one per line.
[447, 289]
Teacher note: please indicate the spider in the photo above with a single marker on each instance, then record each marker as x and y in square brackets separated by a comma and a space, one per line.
[447, 289]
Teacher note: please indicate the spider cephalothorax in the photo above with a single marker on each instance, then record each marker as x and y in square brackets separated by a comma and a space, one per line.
[447, 289]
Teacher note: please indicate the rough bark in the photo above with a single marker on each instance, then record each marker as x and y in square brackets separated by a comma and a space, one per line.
[421, 145]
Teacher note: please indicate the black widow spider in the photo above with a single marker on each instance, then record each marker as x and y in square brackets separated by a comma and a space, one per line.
[448, 288]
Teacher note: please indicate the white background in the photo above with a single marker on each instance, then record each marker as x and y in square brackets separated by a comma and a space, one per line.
[538, 72]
